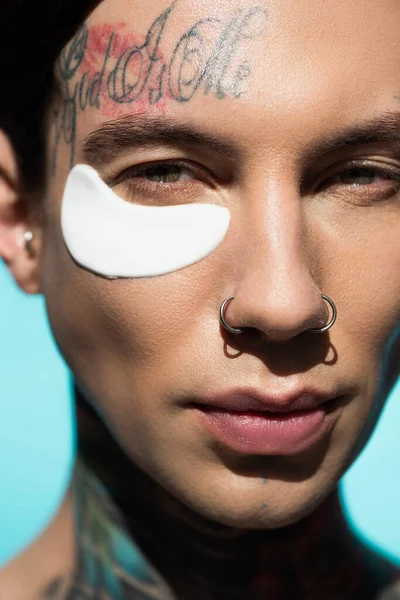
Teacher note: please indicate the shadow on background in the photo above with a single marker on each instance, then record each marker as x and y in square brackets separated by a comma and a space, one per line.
[37, 439]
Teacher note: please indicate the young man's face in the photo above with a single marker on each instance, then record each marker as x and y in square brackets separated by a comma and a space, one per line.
[287, 114]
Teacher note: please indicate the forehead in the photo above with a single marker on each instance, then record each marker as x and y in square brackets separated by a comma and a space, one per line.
[276, 37]
[234, 63]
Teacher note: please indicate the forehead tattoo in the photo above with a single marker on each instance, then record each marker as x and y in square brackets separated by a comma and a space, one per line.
[106, 68]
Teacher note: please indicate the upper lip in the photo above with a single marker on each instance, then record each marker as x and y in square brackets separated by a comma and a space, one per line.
[242, 400]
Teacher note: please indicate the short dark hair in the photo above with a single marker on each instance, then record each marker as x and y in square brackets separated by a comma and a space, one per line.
[33, 34]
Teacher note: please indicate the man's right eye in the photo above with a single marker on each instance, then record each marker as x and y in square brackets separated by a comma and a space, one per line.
[162, 173]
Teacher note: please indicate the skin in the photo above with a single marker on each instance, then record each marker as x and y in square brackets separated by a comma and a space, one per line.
[298, 229]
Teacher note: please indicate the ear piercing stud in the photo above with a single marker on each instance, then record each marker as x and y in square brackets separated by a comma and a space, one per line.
[28, 236]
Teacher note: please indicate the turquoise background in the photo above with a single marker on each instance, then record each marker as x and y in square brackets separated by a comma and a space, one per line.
[37, 438]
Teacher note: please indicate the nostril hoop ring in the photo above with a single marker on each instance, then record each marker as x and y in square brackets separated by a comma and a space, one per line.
[222, 317]
[333, 318]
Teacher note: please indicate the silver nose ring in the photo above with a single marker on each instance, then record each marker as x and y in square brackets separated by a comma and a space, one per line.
[222, 317]
[333, 317]
[237, 331]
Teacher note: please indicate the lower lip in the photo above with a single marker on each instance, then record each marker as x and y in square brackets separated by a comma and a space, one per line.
[267, 432]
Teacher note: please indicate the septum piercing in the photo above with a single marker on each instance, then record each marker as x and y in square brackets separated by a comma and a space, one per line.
[237, 331]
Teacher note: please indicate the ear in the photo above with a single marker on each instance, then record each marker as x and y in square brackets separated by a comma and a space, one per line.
[14, 222]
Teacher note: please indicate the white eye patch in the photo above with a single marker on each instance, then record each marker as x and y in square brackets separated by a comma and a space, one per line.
[114, 238]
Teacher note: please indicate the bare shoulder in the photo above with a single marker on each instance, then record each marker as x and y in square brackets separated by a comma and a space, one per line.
[57, 589]
[53, 553]
[390, 578]
[66, 588]
[391, 592]
[23, 585]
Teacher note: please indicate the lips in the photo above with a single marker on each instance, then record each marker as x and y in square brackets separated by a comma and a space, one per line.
[248, 400]
[280, 424]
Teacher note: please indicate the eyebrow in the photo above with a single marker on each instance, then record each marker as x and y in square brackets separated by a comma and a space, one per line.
[104, 144]
[383, 128]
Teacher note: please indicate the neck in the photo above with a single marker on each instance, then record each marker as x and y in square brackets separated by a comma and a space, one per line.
[315, 558]
[197, 556]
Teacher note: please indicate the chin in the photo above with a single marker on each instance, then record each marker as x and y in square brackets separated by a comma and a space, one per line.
[262, 519]
[241, 511]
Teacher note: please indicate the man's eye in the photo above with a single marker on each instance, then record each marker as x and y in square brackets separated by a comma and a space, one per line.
[162, 183]
[164, 173]
[364, 184]
[358, 176]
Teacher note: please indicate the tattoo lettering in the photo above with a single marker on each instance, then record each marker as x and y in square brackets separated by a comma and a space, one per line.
[103, 68]
[133, 74]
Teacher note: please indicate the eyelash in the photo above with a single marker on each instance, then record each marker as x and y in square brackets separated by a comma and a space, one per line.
[389, 175]
[138, 172]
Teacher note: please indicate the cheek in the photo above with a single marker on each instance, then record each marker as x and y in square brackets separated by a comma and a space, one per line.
[113, 331]
[122, 338]
[373, 284]
[359, 258]
[132, 344]
[366, 286]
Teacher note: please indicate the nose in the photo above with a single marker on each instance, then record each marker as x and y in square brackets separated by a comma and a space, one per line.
[275, 291]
